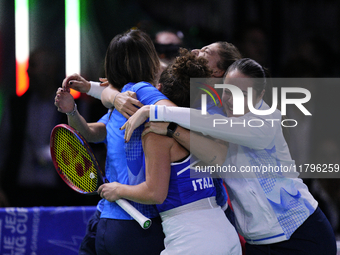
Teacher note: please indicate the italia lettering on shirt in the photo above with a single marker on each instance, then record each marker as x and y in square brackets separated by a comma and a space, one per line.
[203, 183]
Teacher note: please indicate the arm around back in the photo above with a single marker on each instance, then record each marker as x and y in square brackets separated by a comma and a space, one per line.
[155, 188]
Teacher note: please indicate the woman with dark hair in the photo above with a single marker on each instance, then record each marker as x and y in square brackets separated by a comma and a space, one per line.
[274, 210]
[131, 64]
[193, 222]
[131, 57]
[220, 56]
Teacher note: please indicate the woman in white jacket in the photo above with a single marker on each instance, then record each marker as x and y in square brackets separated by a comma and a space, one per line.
[274, 210]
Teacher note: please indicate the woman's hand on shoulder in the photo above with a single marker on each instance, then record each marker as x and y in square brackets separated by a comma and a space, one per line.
[127, 104]
[160, 128]
[135, 121]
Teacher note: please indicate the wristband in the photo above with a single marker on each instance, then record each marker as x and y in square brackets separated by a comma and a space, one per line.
[95, 90]
[73, 112]
[171, 129]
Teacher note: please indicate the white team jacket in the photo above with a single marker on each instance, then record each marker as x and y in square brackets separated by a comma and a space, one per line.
[269, 205]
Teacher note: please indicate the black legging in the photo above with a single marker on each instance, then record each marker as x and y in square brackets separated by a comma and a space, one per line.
[127, 237]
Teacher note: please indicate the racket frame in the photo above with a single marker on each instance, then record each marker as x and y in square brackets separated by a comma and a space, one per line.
[100, 174]
[143, 221]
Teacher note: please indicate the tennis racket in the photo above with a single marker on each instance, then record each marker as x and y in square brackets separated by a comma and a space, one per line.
[78, 167]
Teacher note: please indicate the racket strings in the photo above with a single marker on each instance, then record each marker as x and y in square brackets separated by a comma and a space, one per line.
[74, 162]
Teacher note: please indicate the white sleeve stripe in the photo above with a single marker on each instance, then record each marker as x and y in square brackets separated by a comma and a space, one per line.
[188, 167]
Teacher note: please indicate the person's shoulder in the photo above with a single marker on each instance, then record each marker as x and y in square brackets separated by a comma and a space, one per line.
[132, 86]
[156, 139]
[142, 84]
[147, 93]
[128, 87]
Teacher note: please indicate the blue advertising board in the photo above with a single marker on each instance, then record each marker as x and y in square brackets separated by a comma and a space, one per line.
[43, 230]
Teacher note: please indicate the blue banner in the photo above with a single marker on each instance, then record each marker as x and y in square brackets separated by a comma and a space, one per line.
[43, 230]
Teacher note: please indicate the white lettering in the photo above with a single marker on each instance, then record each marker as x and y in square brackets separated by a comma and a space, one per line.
[204, 104]
[261, 112]
[297, 101]
[205, 183]
[199, 181]
[194, 185]
[289, 120]
[272, 121]
[238, 97]
[237, 123]
[238, 100]
[262, 123]
[220, 121]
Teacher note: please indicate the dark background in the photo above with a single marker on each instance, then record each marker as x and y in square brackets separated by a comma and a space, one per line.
[287, 26]
[293, 38]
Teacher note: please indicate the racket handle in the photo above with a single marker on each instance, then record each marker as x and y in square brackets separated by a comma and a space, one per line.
[134, 213]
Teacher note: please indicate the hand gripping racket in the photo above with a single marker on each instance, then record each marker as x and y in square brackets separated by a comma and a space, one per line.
[78, 167]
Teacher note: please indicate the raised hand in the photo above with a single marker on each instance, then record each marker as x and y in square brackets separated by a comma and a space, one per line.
[64, 101]
[76, 82]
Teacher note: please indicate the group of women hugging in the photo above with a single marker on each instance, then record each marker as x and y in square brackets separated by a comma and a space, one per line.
[154, 136]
